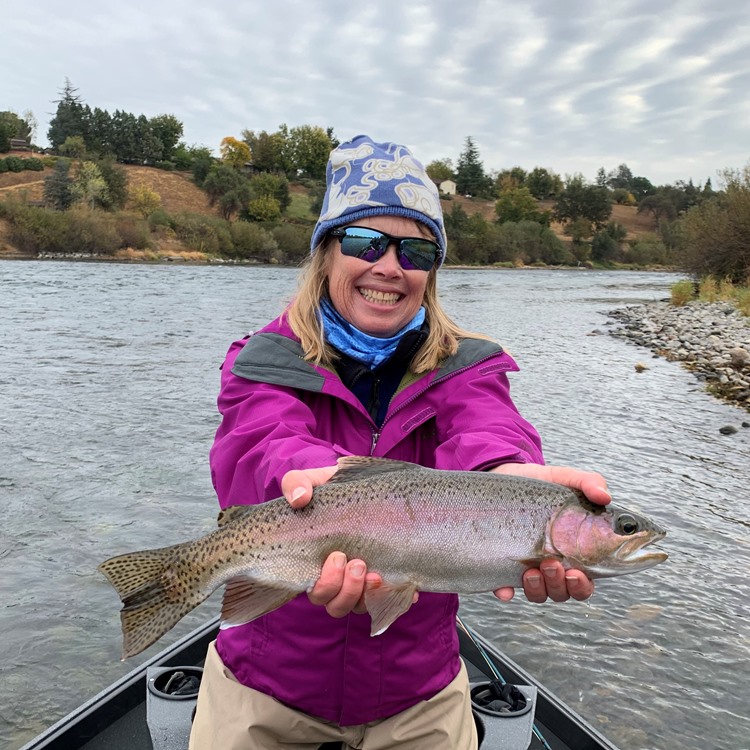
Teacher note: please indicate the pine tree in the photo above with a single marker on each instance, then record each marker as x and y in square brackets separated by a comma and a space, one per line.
[470, 176]
[70, 117]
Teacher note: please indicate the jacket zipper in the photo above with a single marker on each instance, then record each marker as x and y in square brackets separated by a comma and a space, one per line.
[376, 434]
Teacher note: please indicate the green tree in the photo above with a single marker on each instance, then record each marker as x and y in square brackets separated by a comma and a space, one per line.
[267, 150]
[309, 147]
[470, 176]
[58, 187]
[510, 178]
[271, 186]
[715, 234]
[13, 126]
[543, 183]
[89, 187]
[518, 204]
[116, 179]
[581, 201]
[440, 170]
[74, 147]
[124, 136]
[69, 118]
[264, 208]
[227, 188]
[168, 130]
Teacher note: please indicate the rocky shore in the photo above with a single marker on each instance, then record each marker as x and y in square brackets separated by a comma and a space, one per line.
[710, 339]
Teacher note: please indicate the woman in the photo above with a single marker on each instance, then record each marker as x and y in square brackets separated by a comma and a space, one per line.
[363, 362]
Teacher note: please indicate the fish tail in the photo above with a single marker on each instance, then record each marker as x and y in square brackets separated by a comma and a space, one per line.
[157, 589]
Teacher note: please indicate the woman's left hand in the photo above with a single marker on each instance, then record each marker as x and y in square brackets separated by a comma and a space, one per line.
[551, 580]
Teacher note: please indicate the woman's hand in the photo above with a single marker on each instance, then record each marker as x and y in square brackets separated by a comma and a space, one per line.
[551, 579]
[342, 584]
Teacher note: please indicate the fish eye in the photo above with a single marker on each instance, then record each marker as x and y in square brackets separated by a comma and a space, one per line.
[626, 525]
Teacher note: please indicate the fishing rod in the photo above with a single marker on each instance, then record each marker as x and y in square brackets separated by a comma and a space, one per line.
[496, 674]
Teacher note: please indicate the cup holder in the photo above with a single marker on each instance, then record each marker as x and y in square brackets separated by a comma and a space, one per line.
[499, 699]
[176, 683]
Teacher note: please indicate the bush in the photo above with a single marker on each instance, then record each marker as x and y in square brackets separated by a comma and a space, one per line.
[160, 219]
[647, 252]
[293, 241]
[252, 241]
[264, 208]
[169, 166]
[682, 292]
[14, 163]
[134, 232]
[3, 166]
[33, 164]
[203, 233]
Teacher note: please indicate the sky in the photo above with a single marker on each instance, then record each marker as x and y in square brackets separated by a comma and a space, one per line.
[572, 86]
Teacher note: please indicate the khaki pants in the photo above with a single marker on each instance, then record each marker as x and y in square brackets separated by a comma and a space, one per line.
[231, 716]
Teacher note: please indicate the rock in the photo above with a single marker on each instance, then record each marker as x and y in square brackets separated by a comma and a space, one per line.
[739, 357]
[728, 429]
[640, 367]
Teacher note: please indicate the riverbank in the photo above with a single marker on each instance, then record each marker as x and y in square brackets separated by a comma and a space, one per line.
[712, 339]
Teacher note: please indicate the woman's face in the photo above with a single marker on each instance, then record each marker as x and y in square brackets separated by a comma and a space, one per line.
[378, 298]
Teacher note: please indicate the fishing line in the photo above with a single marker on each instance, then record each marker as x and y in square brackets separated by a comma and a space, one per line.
[496, 673]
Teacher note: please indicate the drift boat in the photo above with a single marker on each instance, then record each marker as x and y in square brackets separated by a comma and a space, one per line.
[151, 707]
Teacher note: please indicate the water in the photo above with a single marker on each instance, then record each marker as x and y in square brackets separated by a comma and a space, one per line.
[108, 378]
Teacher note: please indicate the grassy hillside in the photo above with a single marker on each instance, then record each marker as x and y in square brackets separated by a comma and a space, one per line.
[179, 194]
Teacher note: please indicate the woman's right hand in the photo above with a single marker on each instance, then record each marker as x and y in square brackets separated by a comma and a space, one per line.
[342, 583]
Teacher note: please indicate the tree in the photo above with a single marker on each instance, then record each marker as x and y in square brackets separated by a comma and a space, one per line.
[543, 183]
[228, 188]
[144, 199]
[518, 204]
[116, 179]
[58, 187]
[309, 147]
[264, 208]
[581, 201]
[74, 147]
[510, 178]
[715, 234]
[440, 170]
[69, 118]
[89, 186]
[168, 130]
[13, 126]
[470, 176]
[271, 186]
[266, 150]
[234, 153]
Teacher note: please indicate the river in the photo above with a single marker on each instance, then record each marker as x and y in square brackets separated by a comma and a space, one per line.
[108, 378]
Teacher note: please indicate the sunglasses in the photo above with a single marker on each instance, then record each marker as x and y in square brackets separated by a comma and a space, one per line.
[414, 253]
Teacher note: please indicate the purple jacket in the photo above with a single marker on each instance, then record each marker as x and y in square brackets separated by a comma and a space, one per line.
[281, 413]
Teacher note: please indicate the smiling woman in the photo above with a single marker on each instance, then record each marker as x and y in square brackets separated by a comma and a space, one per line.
[364, 362]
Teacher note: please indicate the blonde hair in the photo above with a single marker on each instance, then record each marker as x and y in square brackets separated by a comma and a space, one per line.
[304, 318]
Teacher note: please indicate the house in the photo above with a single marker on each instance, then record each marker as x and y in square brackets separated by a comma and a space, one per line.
[447, 187]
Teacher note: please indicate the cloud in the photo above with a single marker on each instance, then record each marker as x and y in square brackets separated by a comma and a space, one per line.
[571, 86]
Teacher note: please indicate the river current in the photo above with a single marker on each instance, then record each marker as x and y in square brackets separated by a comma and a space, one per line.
[108, 379]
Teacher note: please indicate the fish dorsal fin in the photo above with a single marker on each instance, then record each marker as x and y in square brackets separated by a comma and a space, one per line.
[363, 467]
[233, 513]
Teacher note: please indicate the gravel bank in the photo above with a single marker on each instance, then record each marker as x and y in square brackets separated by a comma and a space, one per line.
[711, 339]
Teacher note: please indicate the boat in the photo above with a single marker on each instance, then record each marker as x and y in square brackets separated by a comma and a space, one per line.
[512, 710]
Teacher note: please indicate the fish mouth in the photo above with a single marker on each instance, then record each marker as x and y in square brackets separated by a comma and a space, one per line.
[637, 551]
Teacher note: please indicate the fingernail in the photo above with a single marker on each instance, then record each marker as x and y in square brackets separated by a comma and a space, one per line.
[572, 582]
[534, 580]
[339, 559]
[297, 494]
[358, 570]
[549, 572]
[605, 491]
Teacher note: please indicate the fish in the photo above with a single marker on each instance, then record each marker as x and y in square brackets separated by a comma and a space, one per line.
[421, 529]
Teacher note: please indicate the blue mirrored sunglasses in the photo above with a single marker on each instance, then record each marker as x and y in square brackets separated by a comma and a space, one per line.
[414, 253]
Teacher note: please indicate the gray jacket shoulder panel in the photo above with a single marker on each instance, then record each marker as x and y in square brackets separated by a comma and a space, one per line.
[469, 352]
[273, 358]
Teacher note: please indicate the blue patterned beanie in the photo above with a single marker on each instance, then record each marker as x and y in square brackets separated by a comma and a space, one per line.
[365, 178]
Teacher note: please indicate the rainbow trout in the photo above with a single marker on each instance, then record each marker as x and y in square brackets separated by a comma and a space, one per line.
[420, 529]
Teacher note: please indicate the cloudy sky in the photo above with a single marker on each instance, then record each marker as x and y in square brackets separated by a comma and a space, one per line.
[571, 86]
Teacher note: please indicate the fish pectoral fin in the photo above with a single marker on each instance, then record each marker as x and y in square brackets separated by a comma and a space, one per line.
[386, 602]
[245, 599]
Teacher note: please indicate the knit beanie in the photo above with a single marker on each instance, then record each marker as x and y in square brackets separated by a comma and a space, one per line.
[364, 178]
